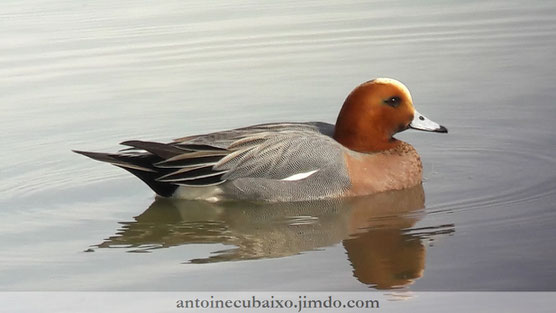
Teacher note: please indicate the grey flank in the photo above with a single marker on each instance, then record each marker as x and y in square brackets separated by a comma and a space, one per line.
[246, 163]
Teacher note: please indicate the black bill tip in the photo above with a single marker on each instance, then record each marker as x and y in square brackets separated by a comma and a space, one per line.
[442, 129]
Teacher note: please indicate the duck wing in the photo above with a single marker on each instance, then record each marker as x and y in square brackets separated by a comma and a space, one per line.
[278, 151]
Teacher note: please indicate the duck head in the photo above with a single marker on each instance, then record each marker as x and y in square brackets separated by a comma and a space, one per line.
[376, 110]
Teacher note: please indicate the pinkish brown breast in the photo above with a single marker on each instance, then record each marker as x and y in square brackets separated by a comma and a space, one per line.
[394, 169]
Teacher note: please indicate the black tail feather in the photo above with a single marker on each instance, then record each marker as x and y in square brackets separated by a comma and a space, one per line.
[140, 165]
[162, 150]
[161, 188]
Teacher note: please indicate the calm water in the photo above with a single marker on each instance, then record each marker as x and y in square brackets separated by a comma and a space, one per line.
[87, 75]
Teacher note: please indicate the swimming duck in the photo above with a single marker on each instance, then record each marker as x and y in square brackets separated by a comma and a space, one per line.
[290, 161]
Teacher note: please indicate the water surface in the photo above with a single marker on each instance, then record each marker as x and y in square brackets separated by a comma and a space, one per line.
[87, 75]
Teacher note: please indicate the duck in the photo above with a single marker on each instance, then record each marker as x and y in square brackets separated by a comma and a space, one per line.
[290, 161]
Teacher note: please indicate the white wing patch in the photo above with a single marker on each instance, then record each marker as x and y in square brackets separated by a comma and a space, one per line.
[300, 176]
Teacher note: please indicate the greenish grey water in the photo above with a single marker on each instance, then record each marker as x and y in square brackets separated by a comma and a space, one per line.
[87, 75]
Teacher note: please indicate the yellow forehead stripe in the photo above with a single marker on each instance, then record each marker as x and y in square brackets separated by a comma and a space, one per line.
[398, 84]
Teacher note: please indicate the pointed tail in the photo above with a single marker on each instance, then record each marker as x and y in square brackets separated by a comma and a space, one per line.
[140, 165]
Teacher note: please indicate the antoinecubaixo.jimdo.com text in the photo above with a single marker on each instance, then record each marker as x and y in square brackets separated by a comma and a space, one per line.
[302, 302]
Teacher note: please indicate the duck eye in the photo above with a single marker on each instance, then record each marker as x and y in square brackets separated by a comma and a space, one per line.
[393, 102]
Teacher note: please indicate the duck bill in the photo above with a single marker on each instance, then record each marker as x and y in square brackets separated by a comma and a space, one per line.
[420, 122]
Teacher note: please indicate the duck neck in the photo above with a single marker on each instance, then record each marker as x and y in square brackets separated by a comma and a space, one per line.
[356, 133]
[365, 143]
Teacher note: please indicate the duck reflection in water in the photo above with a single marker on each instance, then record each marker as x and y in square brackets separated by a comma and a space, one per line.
[376, 231]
